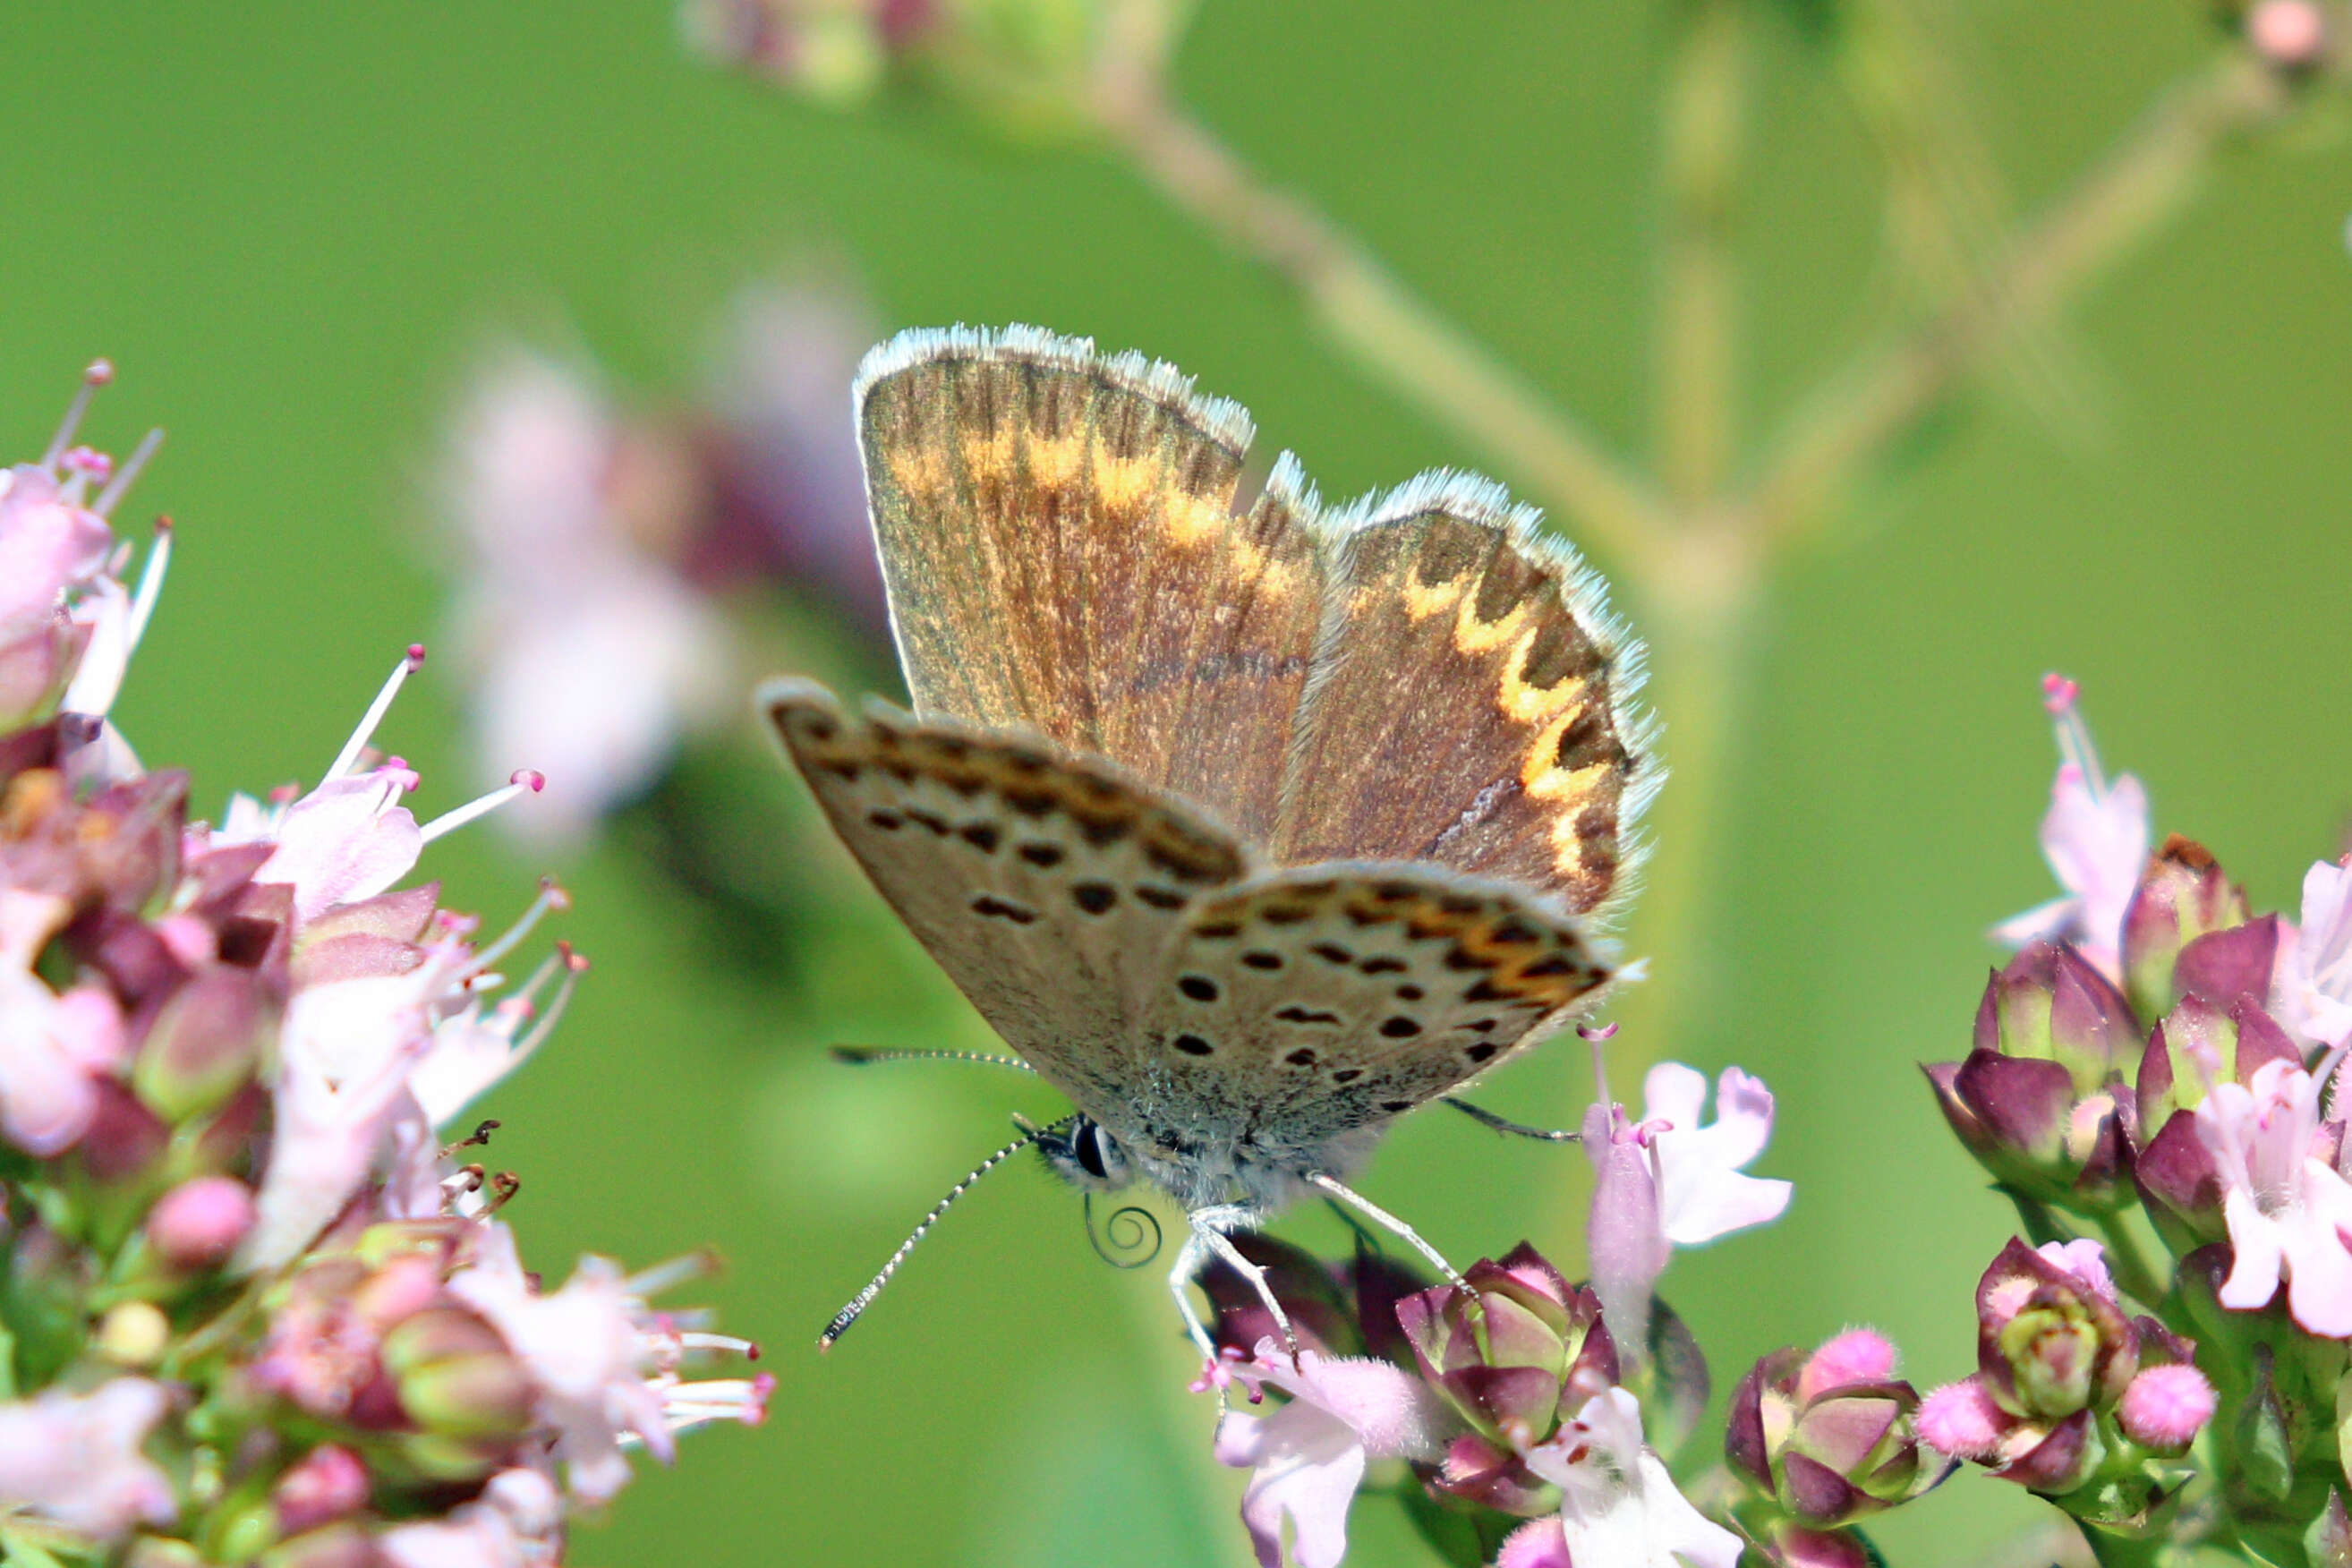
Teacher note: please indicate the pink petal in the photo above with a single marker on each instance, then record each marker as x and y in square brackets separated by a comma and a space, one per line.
[1536, 1545]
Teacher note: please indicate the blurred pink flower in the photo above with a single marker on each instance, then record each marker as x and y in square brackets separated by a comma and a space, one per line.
[74, 1458]
[52, 1047]
[2312, 994]
[2095, 837]
[1308, 1457]
[1618, 1505]
[517, 1523]
[586, 651]
[2289, 1213]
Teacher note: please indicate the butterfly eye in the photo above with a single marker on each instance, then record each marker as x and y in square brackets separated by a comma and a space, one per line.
[1086, 1145]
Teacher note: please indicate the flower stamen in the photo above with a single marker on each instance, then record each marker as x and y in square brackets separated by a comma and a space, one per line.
[410, 663]
[523, 781]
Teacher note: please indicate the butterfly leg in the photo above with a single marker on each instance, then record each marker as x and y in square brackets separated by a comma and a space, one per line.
[1386, 1221]
[1209, 1238]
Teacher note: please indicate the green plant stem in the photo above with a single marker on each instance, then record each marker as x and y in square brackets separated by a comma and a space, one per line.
[2128, 1262]
[1696, 405]
[2147, 178]
[1394, 336]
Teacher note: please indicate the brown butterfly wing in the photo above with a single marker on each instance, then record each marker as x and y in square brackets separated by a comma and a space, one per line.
[1468, 704]
[1307, 1003]
[1046, 886]
[1057, 535]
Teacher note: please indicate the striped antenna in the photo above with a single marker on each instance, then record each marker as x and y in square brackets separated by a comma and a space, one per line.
[849, 1315]
[862, 1055]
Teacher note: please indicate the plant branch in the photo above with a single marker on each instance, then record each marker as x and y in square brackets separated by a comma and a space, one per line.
[2141, 184]
[1390, 332]
[1697, 370]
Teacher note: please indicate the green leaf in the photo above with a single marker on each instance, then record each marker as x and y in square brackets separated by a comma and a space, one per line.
[1674, 1383]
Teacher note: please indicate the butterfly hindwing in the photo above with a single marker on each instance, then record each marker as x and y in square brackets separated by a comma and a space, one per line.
[1057, 535]
[1305, 1004]
[1469, 704]
[1045, 885]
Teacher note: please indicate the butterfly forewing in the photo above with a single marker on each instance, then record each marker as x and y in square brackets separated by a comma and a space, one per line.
[1306, 1004]
[1469, 705]
[1057, 535]
[1046, 886]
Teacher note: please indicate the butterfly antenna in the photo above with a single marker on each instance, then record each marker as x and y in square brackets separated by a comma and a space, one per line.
[849, 1315]
[863, 1056]
[1486, 1118]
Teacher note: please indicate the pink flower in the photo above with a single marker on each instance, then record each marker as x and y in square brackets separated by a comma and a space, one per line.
[1702, 1192]
[345, 1054]
[517, 1523]
[1618, 1508]
[74, 1458]
[52, 1047]
[351, 838]
[2288, 1211]
[607, 1365]
[2095, 837]
[1308, 1457]
[51, 546]
[1673, 1180]
[2313, 992]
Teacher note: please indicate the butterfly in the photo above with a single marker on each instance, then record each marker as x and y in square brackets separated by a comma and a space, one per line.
[1249, 831]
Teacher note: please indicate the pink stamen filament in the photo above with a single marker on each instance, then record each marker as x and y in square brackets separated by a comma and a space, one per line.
[100, 372]
[409, 664]
[650, 1282]
[2074, 746]
[526, 780]
[150, 584]
[552, 896]
[127, 474]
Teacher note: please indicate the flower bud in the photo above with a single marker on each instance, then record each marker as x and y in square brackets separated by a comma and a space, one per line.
[328, 1483]
[2182, 896]
[206, 1043]
[2166, 1406]
[1505, 1354]
[198, 1223]
[336, 1546]
[2037, 1099]
[133, 1334]
[456, 1377]
[1827, 1436]
[2051, 1339]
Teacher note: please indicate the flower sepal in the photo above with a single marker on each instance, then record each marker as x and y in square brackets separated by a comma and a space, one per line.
[2182, 896]
[2038, 1099]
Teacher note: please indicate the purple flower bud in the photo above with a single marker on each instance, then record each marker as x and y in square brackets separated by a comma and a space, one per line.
[2224, 965]
[2182, 896]
[198, 1223]
[1827, 1437]
[1507, 1357]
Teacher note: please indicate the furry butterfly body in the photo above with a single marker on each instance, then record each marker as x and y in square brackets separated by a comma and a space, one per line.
[1249, 831]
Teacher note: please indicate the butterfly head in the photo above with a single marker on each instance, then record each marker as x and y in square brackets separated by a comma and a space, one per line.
[1084, 1153]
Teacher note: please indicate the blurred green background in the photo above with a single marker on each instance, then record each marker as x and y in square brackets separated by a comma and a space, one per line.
[290, 226]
